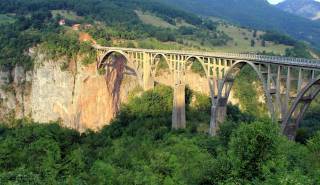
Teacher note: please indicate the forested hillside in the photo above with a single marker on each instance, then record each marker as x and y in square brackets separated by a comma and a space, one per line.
[305, 8]
[257, 14]
[35, 22]
[140, 148]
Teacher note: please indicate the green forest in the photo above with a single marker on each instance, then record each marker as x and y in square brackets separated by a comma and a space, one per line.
[32, 23]
[256, 14]
[139, 147]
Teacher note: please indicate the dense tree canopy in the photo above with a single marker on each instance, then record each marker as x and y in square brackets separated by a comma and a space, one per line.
[34, 23]
[140, 148]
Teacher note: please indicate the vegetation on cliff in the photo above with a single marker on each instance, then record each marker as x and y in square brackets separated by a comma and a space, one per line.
[140, 148]
[28, 32]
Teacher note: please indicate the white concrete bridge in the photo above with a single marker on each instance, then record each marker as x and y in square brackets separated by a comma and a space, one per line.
[289, 84]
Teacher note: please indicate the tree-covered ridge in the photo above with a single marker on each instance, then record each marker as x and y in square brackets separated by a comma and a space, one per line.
[26, 33]
[115, 23]
[109, 11]
[112, 20]
[140, 148]
[258, 14]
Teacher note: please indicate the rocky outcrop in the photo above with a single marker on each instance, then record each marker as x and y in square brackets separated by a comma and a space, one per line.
[78, 96]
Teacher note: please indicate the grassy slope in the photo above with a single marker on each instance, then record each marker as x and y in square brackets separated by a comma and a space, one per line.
[66, 14]
[148, 18]
[241, 38]
[254, 14]
[242, 41]
[5, 19]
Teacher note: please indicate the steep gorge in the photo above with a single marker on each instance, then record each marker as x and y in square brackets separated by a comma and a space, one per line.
[76, 95]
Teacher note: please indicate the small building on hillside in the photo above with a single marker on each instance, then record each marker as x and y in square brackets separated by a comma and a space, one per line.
[76, 27]
[62, 22]
[87, 26]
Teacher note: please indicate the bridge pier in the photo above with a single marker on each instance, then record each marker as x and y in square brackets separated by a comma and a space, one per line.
[221, 114]
[290, 131]
[218, 116]
[222, 110]
[213, 121]
[179, 107]
[148, 81]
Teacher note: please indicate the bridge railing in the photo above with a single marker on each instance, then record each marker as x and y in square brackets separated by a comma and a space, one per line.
[301, 62]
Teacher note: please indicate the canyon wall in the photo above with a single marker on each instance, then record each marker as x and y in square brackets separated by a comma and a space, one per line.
[76, 95]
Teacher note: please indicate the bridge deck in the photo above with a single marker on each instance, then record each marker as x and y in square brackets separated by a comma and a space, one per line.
[299, 62]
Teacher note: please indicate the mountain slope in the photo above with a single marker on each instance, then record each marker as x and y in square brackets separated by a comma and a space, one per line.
[306, 8]
[254, 13]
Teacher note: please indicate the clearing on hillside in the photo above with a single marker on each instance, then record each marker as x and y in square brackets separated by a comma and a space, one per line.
[6, 19]
[148, 18]
[243, 38]
[70, 15]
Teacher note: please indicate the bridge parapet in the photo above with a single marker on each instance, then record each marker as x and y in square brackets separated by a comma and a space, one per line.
[299, 62]
[283, 79]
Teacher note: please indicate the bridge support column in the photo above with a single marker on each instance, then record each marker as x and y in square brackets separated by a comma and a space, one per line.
[213, 121]
[218, 116]
[290, 131]
[221, 113]
[179, 107]
[148, 81]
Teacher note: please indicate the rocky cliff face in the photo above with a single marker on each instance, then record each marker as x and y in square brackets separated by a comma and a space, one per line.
[78, 96]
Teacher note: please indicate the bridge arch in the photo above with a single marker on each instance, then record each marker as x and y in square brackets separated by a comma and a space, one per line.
[299, 107]
[105, 56]
[156, 63]
[211, 82]
[130, 63]
[201, 61]
[228, 80]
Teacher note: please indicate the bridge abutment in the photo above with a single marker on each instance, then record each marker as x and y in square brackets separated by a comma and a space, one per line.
[179, 107]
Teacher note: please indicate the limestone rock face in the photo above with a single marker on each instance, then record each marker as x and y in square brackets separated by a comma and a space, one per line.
[97, 98]
[51, 92]
[11, 94]
[79, 97]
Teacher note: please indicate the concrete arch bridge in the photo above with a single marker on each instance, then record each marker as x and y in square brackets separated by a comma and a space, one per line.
[289, 84]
